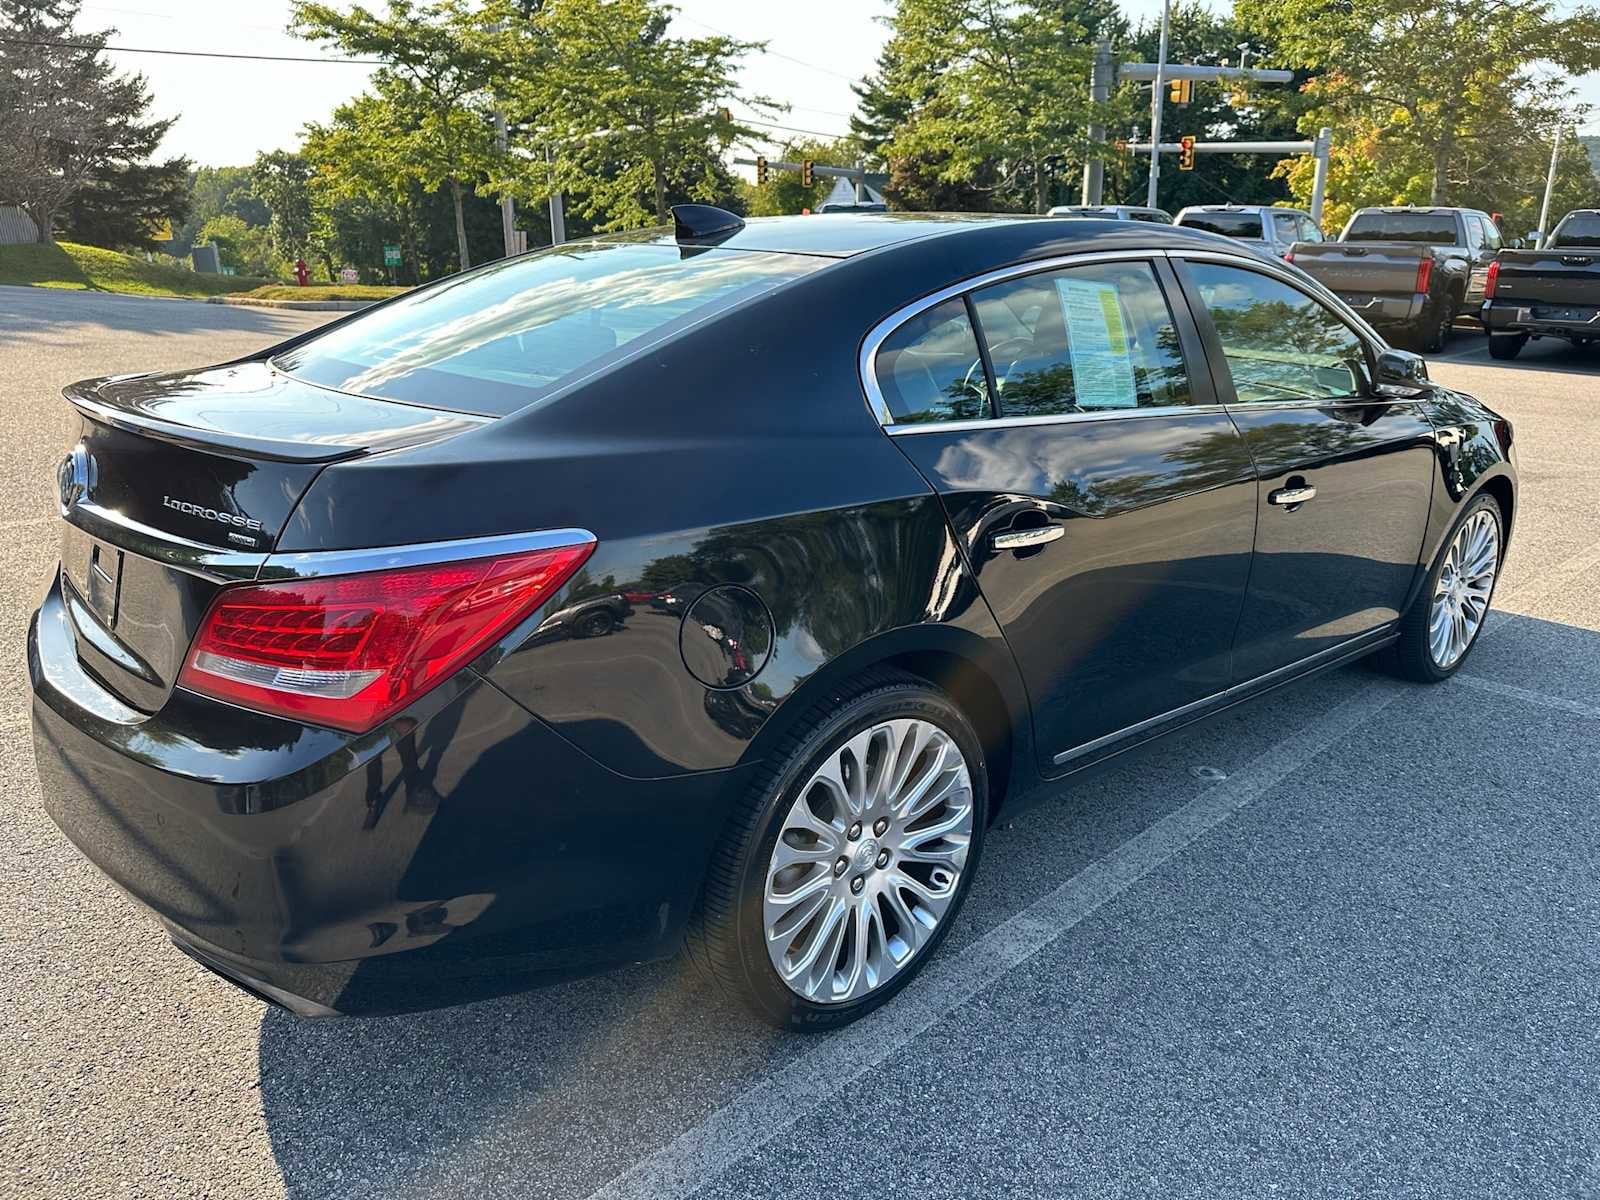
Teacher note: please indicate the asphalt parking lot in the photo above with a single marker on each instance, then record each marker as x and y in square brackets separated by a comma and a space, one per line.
[1366, 962]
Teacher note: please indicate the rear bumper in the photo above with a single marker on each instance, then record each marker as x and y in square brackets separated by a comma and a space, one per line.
[462, 850]
[1576, 320]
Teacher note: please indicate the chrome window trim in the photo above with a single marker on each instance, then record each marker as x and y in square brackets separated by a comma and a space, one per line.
[310, 564]
[866, 361]
[1109, 414]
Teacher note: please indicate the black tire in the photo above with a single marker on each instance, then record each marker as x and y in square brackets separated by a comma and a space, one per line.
[595, 624]
[1506, 346]
[1437, 323]
[1410, 657]
[727, 936]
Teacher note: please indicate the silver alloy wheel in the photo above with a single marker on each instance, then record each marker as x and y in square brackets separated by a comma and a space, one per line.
[1466, 581]
[868, 860]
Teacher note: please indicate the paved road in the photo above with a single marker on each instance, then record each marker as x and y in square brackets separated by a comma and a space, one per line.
[1367, 962]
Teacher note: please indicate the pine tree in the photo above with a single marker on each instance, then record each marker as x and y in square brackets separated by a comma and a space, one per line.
[66, 117]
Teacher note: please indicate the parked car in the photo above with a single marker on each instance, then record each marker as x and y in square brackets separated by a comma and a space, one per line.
[914, 515]
[1271, 230]
[1411, 271]
[1113, 212]
[1550, 292]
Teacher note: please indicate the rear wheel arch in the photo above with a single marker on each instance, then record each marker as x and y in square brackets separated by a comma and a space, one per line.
[959, 663]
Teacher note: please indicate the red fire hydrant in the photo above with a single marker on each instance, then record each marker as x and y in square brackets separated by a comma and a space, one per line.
[302, 273]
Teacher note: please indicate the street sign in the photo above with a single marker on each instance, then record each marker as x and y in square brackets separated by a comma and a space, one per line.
[163, 231]
[391, 256]
[349, 275]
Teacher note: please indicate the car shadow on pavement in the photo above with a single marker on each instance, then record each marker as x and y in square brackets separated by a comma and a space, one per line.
[556, 1091]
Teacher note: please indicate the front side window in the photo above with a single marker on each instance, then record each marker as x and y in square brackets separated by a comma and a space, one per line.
[930, 368]
[1491, 235]
[1084, 339]
[499, 338]
[1280, 344]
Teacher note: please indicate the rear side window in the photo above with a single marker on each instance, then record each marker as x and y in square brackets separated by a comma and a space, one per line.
[1434, 229]
[930, 368]
[1229, 224]
[497, 339]
[1280, 344]
[1285, 226]
[1309, 231]
[1145, 214]
[1084, 339]
[1578, 229]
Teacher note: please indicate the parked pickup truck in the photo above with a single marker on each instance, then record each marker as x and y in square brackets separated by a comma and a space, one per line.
[1268, 228]
[1550, 292]
[1407, 270]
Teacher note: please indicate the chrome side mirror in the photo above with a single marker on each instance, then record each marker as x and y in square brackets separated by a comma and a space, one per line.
[1400, 373]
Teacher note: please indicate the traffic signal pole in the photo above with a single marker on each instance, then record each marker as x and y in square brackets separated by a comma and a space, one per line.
[1320, 148]
[1156, 104]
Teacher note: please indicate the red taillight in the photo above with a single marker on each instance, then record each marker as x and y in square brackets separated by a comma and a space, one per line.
[350, 650]
[1491, 279]
[1424, 275]
[1288, 255]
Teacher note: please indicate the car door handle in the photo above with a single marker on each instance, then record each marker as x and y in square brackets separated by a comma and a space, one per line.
[1025, 539]
[1290, 496]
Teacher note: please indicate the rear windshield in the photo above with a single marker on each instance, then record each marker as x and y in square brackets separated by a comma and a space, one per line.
[1435, 229]
[1578, 229]
[497, 339]
[1237, 225]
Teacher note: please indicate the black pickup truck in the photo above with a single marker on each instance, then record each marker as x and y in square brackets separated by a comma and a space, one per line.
[1407, 270]
[1550, 292]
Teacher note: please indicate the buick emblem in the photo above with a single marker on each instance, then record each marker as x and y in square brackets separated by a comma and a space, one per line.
[75, 476]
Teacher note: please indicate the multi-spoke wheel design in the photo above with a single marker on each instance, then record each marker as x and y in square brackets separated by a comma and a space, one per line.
[868, 860]
[1465, 583]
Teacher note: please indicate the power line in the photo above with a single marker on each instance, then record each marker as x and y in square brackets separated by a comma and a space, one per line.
[799, 62]
[359, 62]
[792, 129]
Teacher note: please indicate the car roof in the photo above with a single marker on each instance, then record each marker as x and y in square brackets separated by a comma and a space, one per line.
[844, 235]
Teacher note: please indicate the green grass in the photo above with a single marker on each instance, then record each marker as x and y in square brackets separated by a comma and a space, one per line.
[89, 268]
[324, 291]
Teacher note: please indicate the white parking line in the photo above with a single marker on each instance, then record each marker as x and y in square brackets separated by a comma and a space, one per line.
[1512, 692]
[770, 1107]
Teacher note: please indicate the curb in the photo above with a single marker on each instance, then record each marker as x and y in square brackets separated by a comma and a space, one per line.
[304, 305]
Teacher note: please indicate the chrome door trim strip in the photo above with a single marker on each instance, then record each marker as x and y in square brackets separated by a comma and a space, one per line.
[865, 362]
[313, 563]
[1360, 643]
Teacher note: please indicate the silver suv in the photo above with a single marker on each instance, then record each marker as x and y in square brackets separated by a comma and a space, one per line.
[1113, 212]
[1272, 229]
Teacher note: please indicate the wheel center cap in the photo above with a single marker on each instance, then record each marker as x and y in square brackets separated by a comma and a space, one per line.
[866, 854]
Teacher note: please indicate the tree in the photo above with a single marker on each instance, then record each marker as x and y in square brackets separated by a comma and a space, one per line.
[623, 107]
[1005, 88]
[65, 115]
[245, 248]
[123, 204]
[281, 180]
[435, 84]
[214, 191]
[1437, 76]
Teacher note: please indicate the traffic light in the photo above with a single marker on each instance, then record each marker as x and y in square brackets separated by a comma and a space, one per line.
[1181, 91]
[1186, 152]
[1121, 145]
[806, 176]
[761, 170]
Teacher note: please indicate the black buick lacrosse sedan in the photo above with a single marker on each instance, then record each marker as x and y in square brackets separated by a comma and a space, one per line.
[717, 583]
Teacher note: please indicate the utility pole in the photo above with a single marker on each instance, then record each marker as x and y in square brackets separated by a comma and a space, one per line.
[1094, 170]
[1549, 189]
[558, 211]
[1155, 105]
[508, 206]
[1322, 149]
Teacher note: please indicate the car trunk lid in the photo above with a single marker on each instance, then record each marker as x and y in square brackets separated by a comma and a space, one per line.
[181, 482]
